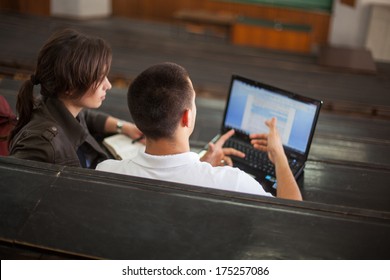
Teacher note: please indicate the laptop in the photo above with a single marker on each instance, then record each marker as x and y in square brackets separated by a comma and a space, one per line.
[250, 103]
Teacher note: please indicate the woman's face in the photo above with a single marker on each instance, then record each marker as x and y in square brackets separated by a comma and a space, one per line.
[93, 98]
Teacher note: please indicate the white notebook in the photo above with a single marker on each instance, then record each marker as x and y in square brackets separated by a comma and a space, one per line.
[121, 146]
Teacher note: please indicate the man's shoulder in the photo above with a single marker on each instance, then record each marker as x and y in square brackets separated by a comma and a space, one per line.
[112, 165]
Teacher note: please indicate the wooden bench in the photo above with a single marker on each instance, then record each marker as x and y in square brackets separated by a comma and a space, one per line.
[352, 59]
[204, 22]
[80, 213]
[269, 34]
[248, 31]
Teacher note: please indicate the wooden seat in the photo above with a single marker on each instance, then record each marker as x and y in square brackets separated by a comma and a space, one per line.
[203, 22]
[275, 35]
[79, 213]
[351, 59]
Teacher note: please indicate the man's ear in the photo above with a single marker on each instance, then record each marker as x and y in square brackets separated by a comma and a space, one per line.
[186, 118]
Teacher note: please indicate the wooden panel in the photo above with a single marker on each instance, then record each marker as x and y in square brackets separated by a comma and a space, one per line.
[18, 202]
[264, 37]
[152, 9]
[318, 21]
[348, 2]
[164, 10]
[201, 22]
[9, 5]
[318, 5]
[36, 7]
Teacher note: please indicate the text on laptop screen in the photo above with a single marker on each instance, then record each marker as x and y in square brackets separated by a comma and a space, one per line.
[250, 106]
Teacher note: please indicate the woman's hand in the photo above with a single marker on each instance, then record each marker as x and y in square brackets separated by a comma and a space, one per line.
[132, 131]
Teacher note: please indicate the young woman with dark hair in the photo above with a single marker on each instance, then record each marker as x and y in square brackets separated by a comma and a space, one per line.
[59, 127]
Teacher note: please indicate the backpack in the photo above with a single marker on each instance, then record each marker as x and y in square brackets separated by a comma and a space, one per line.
[7, 124]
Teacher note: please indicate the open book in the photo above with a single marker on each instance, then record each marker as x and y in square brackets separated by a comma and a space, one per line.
[122, 146]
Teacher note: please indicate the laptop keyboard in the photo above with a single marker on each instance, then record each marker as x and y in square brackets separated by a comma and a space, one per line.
[256, 159]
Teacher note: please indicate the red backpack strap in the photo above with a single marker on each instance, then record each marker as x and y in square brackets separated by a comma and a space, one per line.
[5, 109]
[7, 123]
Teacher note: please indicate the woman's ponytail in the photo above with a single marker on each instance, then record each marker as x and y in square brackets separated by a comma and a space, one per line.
[24, 105]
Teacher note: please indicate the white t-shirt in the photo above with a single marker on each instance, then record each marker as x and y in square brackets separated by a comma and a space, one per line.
[184, 168]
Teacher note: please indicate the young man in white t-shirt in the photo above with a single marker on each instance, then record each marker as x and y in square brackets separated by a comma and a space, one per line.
[162, 103]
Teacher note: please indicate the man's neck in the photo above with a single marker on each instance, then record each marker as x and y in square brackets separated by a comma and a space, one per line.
[163, 147]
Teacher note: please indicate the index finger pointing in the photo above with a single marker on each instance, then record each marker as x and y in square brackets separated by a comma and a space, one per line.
[271, 123]
[225, 137]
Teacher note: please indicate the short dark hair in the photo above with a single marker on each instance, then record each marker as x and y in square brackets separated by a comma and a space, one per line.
[158, 97]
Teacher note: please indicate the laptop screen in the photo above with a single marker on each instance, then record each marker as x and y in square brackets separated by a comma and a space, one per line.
[251, 103]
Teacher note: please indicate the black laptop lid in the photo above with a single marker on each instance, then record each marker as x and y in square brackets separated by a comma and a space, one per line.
[250, 103]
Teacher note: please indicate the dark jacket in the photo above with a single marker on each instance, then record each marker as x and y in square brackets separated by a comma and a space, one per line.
[53, 135]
